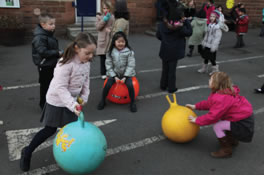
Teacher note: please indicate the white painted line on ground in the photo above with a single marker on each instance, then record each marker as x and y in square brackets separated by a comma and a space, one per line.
[117, 150]
[17, 139]
[196, 65]
[1, 122]
[260, 76]
[165, 93]
[142, 71]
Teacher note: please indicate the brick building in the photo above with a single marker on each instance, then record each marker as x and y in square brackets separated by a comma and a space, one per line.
[143, 12]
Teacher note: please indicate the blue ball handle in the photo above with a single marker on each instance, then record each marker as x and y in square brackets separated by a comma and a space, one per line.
[81, 119]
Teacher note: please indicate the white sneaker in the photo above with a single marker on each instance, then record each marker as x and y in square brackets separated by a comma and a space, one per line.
[103, 77]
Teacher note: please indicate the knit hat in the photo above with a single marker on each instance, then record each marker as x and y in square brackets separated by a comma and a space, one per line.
[216, 13]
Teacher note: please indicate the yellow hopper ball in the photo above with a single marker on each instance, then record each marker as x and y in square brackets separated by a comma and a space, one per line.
[176, 125]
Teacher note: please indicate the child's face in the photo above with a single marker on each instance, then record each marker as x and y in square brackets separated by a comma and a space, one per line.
[191, 3]
[105, 9]
[212, 18]
[86, 54]
[240, 13]
[120, 43]
[220, 9]
[49, 25]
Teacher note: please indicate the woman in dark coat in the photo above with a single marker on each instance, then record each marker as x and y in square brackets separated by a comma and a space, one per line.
[173, 42]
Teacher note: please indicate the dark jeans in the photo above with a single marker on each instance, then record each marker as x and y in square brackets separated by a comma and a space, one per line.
[168, 77]
[207, 55]
[102, 64]
[45, 77]
[111, 81]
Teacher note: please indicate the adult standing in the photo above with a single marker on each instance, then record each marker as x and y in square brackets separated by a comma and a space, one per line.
[173, 42]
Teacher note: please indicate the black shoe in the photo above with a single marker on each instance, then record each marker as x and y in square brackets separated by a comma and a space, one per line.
[25, 160]
[133, 107]
[259, 91]
[163, 88]
[173, 91]
[189, 54]
[101, 105]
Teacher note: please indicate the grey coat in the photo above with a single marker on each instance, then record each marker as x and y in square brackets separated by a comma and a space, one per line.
[121, 63]
[213, 37]
[199, 28]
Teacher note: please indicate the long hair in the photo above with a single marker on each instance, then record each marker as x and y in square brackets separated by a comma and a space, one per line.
[108, 4]
[116, 36]
[81, 41]
[121, 10]
[222, 83]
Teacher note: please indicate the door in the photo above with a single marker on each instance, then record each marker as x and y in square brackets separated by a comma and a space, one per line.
[87, 8]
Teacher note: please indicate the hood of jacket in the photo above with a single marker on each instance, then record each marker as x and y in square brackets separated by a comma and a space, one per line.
[40, 31]
[200, 21]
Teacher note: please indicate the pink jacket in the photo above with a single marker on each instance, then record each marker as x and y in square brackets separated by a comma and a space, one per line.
[69, 81]
[224, 107]
[208, 12]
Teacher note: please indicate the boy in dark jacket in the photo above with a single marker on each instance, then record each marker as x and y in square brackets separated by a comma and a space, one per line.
[45, 53]
[173, 44]
[241, 27]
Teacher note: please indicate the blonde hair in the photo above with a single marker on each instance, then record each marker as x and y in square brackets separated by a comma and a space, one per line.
[45, 17]
[108, 4]
[222, 83]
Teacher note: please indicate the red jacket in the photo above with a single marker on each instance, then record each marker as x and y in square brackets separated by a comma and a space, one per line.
[242, 24]
[224, 107]
[208, 12]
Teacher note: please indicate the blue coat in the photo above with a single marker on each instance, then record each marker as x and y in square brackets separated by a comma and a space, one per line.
[173, 42]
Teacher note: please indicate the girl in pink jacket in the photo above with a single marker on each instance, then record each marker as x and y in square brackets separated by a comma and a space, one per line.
[70, 81]
[230, 114]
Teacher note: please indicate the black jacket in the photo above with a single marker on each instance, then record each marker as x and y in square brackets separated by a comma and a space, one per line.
[45, 48]
[173, 42]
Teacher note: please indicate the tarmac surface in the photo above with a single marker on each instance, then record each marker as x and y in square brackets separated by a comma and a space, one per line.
[136, 144]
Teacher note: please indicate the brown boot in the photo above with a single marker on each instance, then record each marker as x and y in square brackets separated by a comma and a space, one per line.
[234, 142]
[226, 149]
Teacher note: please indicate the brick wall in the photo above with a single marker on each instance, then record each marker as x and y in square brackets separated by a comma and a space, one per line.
[61, 10]
[142, 12]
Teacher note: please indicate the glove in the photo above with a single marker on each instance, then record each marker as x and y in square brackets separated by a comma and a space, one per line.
[106, 17]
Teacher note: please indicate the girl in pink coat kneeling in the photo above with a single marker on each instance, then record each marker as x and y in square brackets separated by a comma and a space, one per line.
[230, 114]
[70, 81]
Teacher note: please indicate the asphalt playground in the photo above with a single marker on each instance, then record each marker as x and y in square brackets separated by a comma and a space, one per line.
[136, 144]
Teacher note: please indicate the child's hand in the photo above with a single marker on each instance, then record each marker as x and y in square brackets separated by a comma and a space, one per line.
[192, 119]
[123, 80]
[117, 80]
[80, 101]
[190, 106]
[107, 17]
[78, 109]
[108, 30]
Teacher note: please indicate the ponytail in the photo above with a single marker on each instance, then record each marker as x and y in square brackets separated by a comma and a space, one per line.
[81, 41]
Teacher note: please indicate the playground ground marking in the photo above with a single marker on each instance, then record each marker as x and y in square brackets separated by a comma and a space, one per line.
[17, 139]
[142, 71]
[117, 150]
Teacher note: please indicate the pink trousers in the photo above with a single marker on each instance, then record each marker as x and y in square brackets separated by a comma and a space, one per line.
[220, 128]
